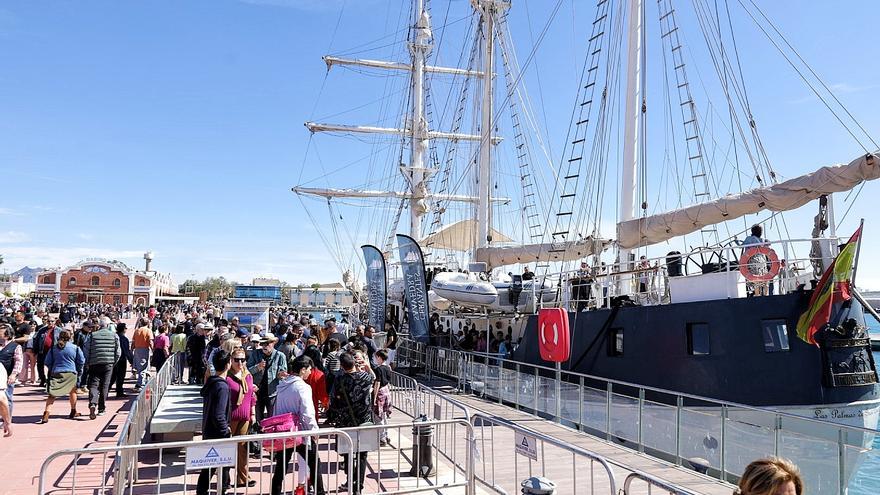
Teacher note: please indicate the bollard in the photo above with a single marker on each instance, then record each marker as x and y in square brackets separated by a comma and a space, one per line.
[422, 458]
[537, 485]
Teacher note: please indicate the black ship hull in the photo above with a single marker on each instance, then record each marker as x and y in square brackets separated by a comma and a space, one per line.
[739, 366]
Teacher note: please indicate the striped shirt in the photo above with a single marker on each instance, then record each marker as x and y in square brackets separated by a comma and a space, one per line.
[331, 362]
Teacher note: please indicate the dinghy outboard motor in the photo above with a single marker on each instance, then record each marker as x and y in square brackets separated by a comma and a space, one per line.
[516, 287]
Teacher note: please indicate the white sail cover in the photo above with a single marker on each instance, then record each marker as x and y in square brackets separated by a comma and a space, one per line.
[532, 253]
[459, 236]
[784, 196]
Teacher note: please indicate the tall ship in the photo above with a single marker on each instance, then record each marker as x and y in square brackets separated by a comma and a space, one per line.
[658, 221]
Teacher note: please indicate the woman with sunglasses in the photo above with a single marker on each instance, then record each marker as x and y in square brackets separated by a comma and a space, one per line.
[243, 398]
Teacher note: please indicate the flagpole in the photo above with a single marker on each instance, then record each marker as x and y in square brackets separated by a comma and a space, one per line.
[852, 281]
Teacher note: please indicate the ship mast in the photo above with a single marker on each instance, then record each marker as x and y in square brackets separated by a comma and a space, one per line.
[418, 174]
[416, 128]
[631, 149]
[487, 10]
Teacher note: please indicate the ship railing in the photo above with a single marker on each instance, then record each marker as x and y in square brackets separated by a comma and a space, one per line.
[138, 420]
[499, 443]
[712, 436]
[651, 284]
[174, 467]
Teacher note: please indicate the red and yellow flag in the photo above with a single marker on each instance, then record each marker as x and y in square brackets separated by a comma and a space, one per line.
[833, 288]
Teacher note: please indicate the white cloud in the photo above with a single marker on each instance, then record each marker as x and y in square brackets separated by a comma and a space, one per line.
[846, 88]
[86, 237]
[840, 88]
[12, 237]
[10, 212]
[55, 256]
[311, 5]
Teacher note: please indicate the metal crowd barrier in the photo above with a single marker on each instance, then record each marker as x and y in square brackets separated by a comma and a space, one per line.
[445, 362]
[411, 355]
[720, 437]
[652, 483]
[135, 426]
[178, 464]
[573, 469]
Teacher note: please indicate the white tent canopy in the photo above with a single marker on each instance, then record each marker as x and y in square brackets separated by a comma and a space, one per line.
[784, 196]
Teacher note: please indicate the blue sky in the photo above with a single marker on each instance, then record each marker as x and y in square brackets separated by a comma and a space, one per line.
[177, 126]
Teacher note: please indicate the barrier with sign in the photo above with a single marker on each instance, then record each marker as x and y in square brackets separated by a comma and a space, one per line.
[169, 471]
[500, 442]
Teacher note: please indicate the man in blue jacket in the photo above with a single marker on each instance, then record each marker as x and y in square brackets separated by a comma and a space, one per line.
[216, 409]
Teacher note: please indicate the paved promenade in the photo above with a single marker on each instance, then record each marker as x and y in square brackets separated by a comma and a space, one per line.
[22, 454]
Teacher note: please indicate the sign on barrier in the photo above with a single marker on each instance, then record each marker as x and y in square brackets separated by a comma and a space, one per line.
[210, 456]
[526, 445]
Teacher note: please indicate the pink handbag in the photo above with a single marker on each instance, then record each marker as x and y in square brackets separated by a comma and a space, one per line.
[282, 423]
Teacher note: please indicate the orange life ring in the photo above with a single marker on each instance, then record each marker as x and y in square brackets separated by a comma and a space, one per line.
[773, 265]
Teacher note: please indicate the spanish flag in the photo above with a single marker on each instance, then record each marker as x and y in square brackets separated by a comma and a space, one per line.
[833, 289]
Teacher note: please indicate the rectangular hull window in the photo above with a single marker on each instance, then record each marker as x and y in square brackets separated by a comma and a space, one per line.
[775, 334]
[698, 339]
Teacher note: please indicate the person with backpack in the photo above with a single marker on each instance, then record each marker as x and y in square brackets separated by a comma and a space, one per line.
[295, 397]
[44, 339]
[195, 349]
[12, 359]
[125, 359]
[141, 347]
[215, 418]
[351, 406]
[65, 362]
[382, 393]
[81, 340]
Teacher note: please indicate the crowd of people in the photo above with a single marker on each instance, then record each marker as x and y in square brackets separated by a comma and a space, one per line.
[331, 371]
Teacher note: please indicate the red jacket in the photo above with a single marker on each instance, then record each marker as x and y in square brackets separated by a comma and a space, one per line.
[319, 388]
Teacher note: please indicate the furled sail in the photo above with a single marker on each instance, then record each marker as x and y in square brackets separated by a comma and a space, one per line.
[784, 196]
[533, 253]
[459, 236]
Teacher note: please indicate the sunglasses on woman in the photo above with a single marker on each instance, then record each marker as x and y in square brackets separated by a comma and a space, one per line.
[240, 360]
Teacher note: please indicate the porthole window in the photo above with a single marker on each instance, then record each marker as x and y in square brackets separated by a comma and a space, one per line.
[698, 339]
[71, 282]
[775, 334]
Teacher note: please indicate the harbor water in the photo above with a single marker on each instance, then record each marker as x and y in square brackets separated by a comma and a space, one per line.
[867, 481]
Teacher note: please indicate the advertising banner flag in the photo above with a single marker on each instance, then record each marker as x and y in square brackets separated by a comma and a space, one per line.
[377, 286]
[415, 289]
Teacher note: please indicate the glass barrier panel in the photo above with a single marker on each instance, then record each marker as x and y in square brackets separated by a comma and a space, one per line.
[570, 398]
[526, 390]
[625, 417]
[508, 385]
[595, 414]
[744, 442]
[701, 434]
[547, 394]
[658, 431]
[863, 466]
[817, 458]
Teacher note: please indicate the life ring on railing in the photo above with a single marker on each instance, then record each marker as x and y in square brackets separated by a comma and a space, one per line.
[759, 264]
